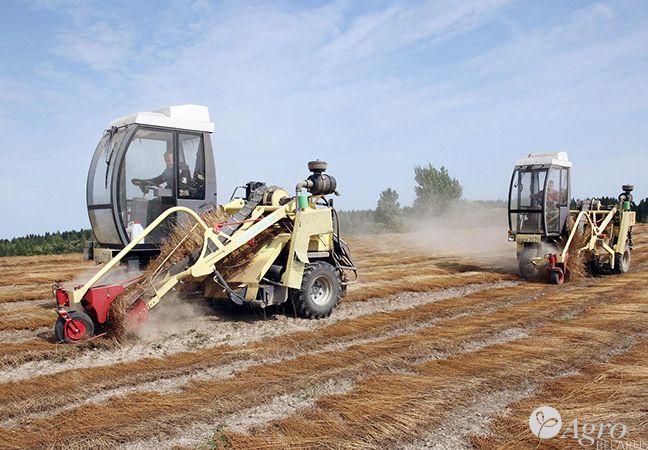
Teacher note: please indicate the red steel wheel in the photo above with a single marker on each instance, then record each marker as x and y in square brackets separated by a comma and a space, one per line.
[78, 328]
[556, 277]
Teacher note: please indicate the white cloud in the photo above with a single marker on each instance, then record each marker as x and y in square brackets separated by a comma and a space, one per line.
[373, 91]
[402, 25]
[102, 46]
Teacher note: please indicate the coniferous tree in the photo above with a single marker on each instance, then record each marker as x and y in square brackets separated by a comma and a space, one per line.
[48, 243]
[388, 211]
[435, 190]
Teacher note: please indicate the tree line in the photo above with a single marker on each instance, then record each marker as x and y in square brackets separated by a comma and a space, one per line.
[45, 244]
[436, 193]
[641, 208]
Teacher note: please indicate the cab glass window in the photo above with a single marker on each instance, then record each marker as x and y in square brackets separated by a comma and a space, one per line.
[99, 180]
[553, 199]
[147, 179]
[526, 197]
[191, 166]
[564, 187]
[527, 189]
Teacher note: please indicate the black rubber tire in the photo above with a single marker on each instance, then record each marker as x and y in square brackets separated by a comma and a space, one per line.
[77, 316]
[320, 291]
[555, 278]
[527, 270]
[622, 261]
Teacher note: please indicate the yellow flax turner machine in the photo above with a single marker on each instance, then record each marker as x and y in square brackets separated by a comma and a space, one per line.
[294, 252]
[549, 235]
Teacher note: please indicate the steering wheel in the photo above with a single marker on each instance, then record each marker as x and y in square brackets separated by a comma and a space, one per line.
[144, 185]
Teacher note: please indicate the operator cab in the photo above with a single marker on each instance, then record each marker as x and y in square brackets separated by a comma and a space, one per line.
[539, 195]
[144, 164]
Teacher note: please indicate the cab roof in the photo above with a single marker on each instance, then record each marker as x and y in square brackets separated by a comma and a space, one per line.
[182, 117]
[556, 159]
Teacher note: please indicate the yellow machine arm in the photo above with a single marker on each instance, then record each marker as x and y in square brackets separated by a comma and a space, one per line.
[597, 233]
[77, 294]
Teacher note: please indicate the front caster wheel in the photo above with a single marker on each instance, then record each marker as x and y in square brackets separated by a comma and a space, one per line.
[556, 277]
[75, 330]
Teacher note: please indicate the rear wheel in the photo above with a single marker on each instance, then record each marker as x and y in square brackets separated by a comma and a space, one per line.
[622, 261]
[79, 328]
[320, 291]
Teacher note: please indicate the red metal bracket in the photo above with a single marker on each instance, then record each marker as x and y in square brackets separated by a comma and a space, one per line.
[61, 295]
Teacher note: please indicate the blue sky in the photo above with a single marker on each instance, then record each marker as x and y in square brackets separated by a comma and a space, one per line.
[373, 87]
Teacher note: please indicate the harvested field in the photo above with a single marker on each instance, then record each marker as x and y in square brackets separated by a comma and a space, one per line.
[19, 284]
[439, 345]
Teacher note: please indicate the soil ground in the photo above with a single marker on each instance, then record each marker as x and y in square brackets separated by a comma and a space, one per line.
[440, 345]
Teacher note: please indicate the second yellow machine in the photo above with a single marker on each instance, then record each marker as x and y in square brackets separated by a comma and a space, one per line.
[553, 240]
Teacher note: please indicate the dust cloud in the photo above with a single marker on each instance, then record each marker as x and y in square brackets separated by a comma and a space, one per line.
[170, 316]
[117, 275]
[477, 234]
[174, 314]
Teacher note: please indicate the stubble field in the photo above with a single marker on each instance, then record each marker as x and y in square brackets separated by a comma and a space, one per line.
[440, 345]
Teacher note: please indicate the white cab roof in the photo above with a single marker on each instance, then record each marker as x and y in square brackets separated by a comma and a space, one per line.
[183, 117]
[556, 159]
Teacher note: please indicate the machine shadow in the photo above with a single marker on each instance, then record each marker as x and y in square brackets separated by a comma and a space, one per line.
[225, 310]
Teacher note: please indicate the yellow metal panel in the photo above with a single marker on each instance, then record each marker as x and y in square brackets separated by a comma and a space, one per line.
[262, 261]
[321, 243]
[627, 221]
[308, 222]
[234, 205]
[311, 222]
[530, 238]
[251, 291]
[293, 275]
